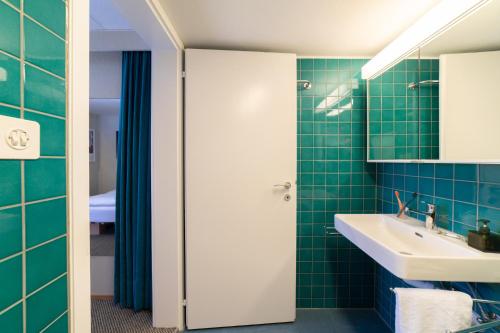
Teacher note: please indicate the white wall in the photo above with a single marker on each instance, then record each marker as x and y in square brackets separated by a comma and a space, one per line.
[105, 74]
[103, 170]
[102, 275]
[109, 40]
[94, 185]
[105, 91]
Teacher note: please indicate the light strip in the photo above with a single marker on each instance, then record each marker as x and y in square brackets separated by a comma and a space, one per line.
[438, 19]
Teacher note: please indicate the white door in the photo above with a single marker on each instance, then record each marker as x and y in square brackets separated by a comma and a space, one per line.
[240, 229]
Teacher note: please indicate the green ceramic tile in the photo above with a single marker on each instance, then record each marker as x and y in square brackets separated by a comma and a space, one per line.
[9, 112]
[10, 92]
[52, 134]
[12, 320]
[46, 305]
[50, 13]
[45, 221]
[44, 92]
[44, 49]
[45, 178]
[10, 182]
[11, 279]
[331, 173]
[10, 231]
[15, 3]
[60, 326]
[306, 64]
[9, 30]
[332, 64]
[45, 263]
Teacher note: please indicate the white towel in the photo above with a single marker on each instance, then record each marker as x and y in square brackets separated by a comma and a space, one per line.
[431, 310]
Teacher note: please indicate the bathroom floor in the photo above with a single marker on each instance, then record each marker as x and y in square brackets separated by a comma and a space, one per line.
[318, 321]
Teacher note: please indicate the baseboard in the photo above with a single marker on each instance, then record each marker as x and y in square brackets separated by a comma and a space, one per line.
[102, 297]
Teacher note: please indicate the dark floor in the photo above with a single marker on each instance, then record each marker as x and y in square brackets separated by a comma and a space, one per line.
[318, 321]
[110, 318]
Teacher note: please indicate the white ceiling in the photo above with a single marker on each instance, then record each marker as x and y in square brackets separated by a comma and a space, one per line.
[105, 16]
[307, 27]
[110, 30]
[479, 31]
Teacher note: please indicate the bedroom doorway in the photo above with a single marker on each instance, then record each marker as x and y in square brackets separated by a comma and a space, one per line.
[105, 91]
[105, 86]
[119, 218]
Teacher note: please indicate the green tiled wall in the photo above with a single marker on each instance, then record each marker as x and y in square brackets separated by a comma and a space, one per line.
[33, 236]
[404, 123]
[333, 177]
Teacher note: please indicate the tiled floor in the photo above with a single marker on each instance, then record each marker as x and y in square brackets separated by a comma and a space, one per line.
[318, 321]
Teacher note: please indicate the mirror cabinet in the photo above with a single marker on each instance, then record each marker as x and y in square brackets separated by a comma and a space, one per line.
[442, 102]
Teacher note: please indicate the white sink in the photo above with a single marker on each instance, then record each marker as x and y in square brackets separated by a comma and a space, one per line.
[409, 251]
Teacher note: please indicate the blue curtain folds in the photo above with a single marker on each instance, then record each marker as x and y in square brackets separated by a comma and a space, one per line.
[133, 280]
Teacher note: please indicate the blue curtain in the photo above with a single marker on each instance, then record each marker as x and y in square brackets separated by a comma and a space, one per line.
[133, 186]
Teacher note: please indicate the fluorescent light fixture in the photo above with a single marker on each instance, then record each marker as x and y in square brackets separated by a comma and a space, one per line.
[438, 19]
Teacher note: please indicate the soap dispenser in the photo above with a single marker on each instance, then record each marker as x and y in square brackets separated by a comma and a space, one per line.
[483, 239]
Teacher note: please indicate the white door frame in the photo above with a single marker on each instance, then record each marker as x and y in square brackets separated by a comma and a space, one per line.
[150, 22]
[78, 166]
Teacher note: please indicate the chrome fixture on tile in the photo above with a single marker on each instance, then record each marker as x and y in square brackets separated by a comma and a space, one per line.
[430, 213]
[304, 84]
[415, 85]
[331, 231]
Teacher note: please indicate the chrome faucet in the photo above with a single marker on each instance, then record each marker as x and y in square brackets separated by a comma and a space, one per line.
[430, 213]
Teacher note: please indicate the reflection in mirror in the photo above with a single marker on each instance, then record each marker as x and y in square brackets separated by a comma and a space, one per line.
[441, 102]
[403, 111]
[469, 56]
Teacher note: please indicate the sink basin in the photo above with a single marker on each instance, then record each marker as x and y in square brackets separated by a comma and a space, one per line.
[409, 251]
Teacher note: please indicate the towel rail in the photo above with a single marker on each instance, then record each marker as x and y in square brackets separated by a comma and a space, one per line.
[475, 300]
[481, 327]
[331, 231]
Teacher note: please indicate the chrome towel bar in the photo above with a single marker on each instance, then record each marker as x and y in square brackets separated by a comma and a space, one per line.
[304, 84]
[415, 85]
[331, 231]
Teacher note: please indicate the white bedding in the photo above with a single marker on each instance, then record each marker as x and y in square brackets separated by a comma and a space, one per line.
[105, 199]
[103, 207]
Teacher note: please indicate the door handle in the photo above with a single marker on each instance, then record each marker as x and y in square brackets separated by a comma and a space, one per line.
[286, 185]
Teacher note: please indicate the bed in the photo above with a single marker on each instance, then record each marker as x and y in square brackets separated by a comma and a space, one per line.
[103, 207]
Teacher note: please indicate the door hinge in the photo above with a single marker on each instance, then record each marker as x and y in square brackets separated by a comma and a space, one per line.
[184, 302]
[183, 74]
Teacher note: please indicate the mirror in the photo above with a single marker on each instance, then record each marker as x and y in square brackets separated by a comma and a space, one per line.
[441, 103]
[403, 115]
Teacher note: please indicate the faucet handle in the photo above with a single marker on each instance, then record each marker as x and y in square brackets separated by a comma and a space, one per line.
[431, 208]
